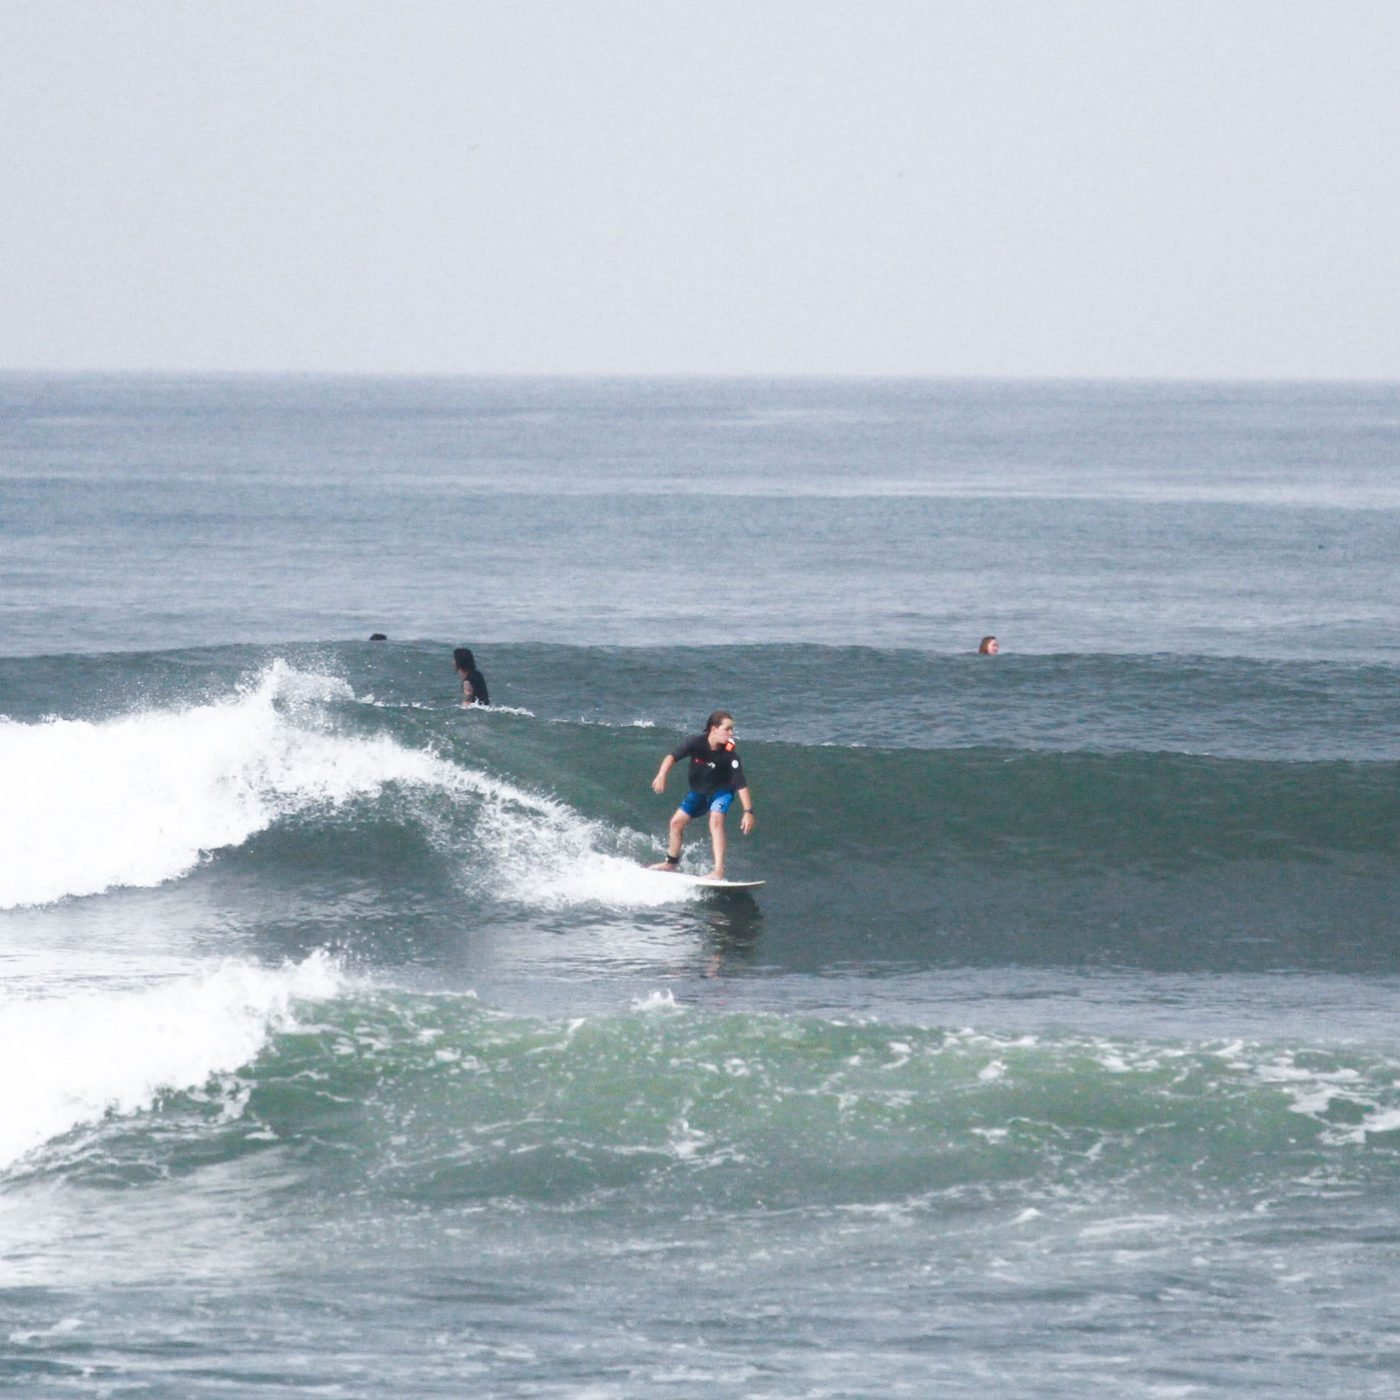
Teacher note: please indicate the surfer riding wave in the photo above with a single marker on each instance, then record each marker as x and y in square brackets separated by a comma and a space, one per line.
[716, 777]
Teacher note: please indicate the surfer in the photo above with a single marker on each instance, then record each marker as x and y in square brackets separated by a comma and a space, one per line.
[474, 690]
[716, 778]
[988, 646]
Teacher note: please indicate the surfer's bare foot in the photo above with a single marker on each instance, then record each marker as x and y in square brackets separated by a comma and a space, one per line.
[713, 875]
[664, 865]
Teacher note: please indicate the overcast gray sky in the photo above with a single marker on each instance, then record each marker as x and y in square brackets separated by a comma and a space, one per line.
[940, 187]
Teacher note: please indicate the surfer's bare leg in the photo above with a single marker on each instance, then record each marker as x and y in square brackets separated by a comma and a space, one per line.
[718, 840]
[676, 835]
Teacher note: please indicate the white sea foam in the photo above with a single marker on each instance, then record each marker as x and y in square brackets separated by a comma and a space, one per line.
[546, 856]
[140, 800]
[588, 877]
[663, 999]
[67, 1061]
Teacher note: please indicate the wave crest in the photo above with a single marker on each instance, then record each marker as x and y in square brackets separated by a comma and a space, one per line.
[141, 799]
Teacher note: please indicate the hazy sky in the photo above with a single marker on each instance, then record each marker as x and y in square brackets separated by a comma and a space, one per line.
[942, 187]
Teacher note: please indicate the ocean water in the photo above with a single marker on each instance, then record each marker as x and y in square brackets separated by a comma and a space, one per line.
[347, 1049]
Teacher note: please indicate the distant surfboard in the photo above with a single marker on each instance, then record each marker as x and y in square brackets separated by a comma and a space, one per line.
[699, 881]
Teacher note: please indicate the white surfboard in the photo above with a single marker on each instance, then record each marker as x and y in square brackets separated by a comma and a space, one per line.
[700, 882]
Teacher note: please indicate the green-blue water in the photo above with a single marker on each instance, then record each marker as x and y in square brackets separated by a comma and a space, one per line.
[346, 1048]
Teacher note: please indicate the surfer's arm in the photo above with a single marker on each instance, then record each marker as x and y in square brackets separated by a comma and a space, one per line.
[658, 783]
[746, 822]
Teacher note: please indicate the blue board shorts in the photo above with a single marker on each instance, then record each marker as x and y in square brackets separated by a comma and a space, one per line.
[694, 803]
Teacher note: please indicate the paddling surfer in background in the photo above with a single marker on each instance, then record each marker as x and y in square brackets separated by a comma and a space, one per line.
[716, 778]
[474, 690]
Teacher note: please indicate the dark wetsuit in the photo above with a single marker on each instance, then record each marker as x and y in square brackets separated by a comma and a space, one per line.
[477, 681]
[711, 770]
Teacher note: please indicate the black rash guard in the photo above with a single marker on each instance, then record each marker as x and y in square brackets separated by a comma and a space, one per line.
[711, 770]
[477, 681]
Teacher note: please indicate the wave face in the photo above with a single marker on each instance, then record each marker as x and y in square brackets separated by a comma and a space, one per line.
[875, 852]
